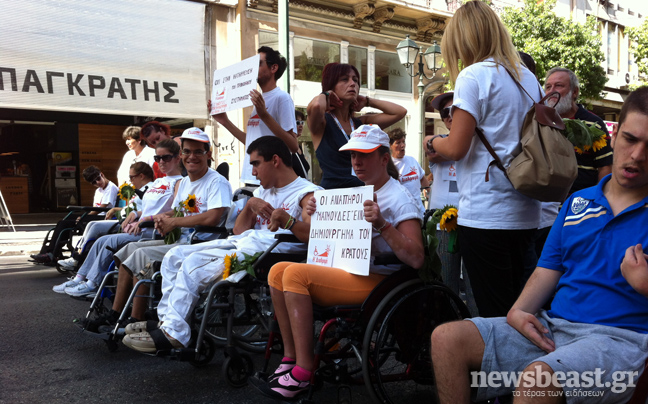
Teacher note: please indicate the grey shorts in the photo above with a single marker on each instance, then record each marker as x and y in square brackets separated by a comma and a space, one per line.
[594, 363]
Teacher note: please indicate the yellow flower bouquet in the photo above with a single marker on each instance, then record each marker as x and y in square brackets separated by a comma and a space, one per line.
[233, 265]
[584, 136]
[447, 220]
[187, 206]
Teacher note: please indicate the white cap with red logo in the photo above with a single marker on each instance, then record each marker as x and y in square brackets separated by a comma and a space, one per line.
[195, 134]
[366, 138]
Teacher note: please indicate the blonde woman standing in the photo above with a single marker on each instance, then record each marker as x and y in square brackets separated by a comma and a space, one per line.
[496, 222]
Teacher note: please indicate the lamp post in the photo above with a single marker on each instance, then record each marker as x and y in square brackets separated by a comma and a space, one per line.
[407, 51]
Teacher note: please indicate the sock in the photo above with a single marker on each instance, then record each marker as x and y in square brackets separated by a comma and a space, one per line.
[79, 278]
[90, 284]
[301, 374]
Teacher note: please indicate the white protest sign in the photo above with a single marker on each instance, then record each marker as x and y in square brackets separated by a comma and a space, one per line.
[340, 236]
[232, 85]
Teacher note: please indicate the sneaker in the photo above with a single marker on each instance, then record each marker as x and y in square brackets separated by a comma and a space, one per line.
[67, 284]
[138, 327]
[80, 290]
[143, 342]
[283, 369]
[42, 258]
[68, 264]
[287, 386]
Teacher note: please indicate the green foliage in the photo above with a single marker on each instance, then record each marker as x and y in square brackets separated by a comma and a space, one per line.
[582, 135]
[431, 269]
[639, 45]
[556, 41]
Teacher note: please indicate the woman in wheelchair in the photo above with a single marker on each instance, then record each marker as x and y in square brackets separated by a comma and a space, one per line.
[157, 198]
[396, 220]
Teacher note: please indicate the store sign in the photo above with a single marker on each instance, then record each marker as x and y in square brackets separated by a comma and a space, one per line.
[129, 57]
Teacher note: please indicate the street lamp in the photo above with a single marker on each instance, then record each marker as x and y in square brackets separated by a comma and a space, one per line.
[408, 50]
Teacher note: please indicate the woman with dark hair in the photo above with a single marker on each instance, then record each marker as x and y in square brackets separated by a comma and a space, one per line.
[331, 119]
[154, 132]
[298, 158]
[137, 151]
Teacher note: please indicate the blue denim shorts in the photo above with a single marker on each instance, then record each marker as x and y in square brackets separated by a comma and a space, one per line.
[594, 363]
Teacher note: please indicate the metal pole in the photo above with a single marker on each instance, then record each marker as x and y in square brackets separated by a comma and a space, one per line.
[284, 31]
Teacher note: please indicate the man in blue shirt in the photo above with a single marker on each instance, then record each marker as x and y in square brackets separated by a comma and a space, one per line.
[593, 343]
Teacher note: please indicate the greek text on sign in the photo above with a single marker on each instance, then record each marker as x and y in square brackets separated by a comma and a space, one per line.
[340, 237]
[232, 85]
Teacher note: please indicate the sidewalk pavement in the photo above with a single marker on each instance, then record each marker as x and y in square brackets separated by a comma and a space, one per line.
[31, 230]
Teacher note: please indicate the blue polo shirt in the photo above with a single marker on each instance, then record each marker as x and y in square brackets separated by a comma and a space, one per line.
[587, 243]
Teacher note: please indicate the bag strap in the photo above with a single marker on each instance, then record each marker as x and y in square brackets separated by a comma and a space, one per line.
[497, 162]
[517, 82]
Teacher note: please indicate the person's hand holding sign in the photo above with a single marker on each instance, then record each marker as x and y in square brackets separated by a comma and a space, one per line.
[259, 104]
[311, 206]
[373, 215]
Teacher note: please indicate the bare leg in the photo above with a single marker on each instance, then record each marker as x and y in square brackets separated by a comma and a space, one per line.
[124, 287]
[300, 313]
[281, 312]
[457, 348]
[140, 304]
[535, 394]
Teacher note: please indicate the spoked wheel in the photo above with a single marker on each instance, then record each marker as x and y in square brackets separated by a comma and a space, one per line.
[206, 354]
[237, 369]
[252, 316]
[396, 357]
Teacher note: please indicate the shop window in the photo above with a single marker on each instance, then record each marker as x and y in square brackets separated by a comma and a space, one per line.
[358, 58]
[311, 56]
[390, 74]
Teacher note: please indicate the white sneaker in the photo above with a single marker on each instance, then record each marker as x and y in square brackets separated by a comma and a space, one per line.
[67, 284]
[82, 289]
[69, 263]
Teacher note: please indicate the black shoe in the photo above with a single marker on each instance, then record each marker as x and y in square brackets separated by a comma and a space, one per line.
[93, 324]
[44, 258]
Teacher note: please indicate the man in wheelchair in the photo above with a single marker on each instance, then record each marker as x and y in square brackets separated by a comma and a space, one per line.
[396, 220]
[208, 195]
[277, 206]
[592, 345]
[105, 197]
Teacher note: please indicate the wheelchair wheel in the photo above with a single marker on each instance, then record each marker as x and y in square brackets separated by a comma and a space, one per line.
[252, 315]
[206, 354]
[236, 370]
[396, 348]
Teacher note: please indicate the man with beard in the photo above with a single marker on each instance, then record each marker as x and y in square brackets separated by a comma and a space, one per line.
[592, 165]
[273, 113]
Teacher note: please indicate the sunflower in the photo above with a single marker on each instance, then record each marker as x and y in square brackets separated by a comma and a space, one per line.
[228, 265]
[578, 150]
[190, 204]
[126, 192]
[449, 219]
[599, 144]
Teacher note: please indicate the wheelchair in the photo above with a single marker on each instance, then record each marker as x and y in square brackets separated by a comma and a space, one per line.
[59, 239]
[383, 344]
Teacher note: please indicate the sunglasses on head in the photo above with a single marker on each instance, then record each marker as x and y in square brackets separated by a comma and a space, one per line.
[445, 112]
[166, 158]
[300, 123]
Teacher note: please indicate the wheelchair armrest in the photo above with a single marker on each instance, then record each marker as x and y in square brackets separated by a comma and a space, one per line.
[210, 229]
[72, 208]
[387, 259]
[287, 238]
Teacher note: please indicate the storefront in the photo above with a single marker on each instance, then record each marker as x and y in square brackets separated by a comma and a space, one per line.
[74, 74]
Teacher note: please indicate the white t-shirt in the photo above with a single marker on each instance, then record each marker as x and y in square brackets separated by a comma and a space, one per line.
[106, 196]
[288, 198]
[281, 107]
[440, 193]
[396, 206]
[159, 196]
[146, 155]
[410, 173]
[548, 214]
[212, 191]
[491, 96]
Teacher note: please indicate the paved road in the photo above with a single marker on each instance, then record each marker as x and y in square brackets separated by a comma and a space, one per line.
[45, 359]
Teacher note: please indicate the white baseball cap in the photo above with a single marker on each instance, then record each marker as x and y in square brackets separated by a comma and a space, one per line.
[195, 134]
[366, 138]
